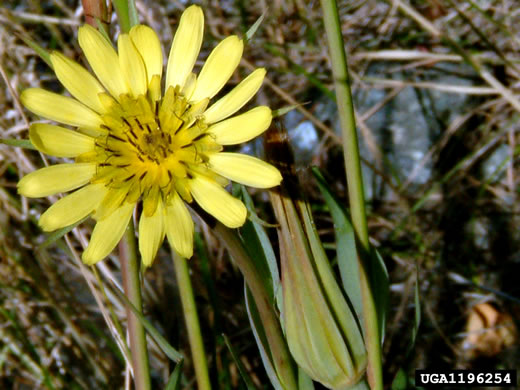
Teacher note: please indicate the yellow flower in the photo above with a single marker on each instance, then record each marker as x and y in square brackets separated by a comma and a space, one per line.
[134, 143]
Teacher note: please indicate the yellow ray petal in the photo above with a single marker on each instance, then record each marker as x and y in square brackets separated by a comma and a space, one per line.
[56, 178]
[107, 234]
[185, 47]
[132, 65]
[111, 202]
[245, 169]
[179, 227]
[189, 85]
[103, 59]
[72, 208]
[218, 68]
[78, 81]
[58, 141]
[148, 45]
[151, 234]
[216, 201]
[235, 99]
[61, 109]
[242, 128]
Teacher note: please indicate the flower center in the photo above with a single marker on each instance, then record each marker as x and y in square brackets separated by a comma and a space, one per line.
[151, 148]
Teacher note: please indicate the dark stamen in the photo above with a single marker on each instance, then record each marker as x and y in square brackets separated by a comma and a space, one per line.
[116, 137]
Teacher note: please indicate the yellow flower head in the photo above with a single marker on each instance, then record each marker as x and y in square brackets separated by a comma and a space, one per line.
[135, 143]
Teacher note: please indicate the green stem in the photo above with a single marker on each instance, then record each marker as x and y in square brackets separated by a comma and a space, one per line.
[192, 322]
[132, 288]
[126, 13]
[280, 352]
[355, 185]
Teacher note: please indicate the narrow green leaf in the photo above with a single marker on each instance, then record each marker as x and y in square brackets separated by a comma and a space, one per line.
[56, 235]
[381, 289]
[254, 27]
[19, 143]
[258, 244]
[284, 110]
[261, 339]
[346, 246]
[42, 53]
[345, 317]
[127, 14]
[132, 13]
[166, 347]
[253, 217]
[174, 381]
[102, 30]
[400, 381]
[243, 373]
[417, 317]
[304, 381]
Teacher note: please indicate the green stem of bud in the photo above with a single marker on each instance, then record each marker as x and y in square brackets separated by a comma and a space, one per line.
[282, 360]
[355, 185]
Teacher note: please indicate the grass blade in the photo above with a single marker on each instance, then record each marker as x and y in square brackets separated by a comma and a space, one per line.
[18, 143]
[254, 27]
[261, 340]
[174, 381]
[380, 283]
[243, 373]
[56, 235]
[166, 347]
[346, 246]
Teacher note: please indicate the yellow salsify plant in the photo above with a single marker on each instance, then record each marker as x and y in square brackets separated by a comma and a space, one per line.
[135, 143]
[323, 335]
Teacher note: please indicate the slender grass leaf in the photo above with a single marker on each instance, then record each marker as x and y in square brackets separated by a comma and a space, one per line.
[346, 246]
[18, 143]
[400, 381]
[102, 30]
[380, 288]
[345, 318]
[209, 281]
[259, 246]
[261, 339]
[253, 217]
[42, 53]
[166, 347]
[304, 381]
[348, 260]
[174, 381]
[241, 369]
[284, 110]
[417, 317]
[54, 236]
[254, 27]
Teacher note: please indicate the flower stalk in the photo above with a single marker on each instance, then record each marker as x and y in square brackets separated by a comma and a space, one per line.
[192, 321]
[132, 288]
[355, 186]
[282, 360]
[126, 13]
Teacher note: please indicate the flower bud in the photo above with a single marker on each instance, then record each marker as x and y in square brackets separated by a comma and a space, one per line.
[322, 333]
